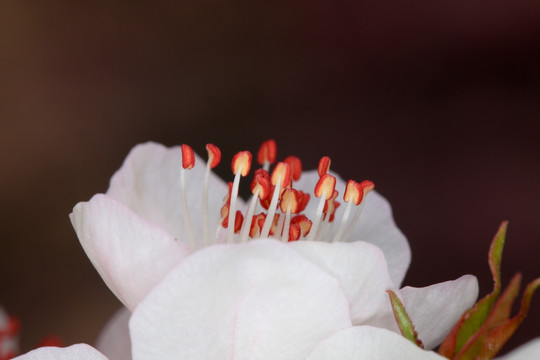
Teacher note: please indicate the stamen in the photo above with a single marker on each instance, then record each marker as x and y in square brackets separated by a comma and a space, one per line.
[260, 188]
[281, 176]
[366, 187]
[214, 157]
[324, 165]
[288, 205]
[188, 162]
[241, 163]
[267, 154]
[295, 165]
[325, 190]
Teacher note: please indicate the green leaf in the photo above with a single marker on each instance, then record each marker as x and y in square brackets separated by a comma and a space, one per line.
[474, 318]
[403, 320]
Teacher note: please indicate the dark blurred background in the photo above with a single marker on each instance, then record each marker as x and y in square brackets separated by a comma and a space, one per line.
[436, 102]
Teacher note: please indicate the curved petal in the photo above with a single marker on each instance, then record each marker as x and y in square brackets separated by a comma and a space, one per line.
[149, 183]
[362, 272]
[259, 300]
[130, 254]
[435, 309]
[376, 225]
[78, 351]
[369, 343]
[528, 351]
[114, 341]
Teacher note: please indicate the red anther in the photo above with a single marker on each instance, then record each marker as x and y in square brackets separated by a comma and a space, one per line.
[188, 157]
[303, 200]
[241, 162]
[281, 173]
[261, 182]
[265, 203]
[330, 206]
[303, 222]
[324, 165]
[353, 192]
[367, 186]
[294, 232]
[257, 224]
[238, 220]
[325, 185]
[267, 152]
[225, 215]
[296, 166]
[50, 340]
[214, 155]
[289, 200]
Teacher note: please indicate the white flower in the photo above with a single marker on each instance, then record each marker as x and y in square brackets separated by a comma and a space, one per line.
[260, 299]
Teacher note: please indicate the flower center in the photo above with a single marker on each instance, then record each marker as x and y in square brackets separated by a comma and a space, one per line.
[276, 206]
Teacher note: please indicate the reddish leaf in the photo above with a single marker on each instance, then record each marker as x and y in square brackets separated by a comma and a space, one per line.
[474, 318]
[499, 314]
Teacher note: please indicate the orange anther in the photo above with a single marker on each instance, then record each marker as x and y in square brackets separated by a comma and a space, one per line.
[261, 183]
[296, 166]
[188, 157]
[325, 186]
[303, 200]
[367, 186]
[267, 152]
[281, 174]
[303, 222]
[353, 192]
[289, 200]
[214, 155]
[324, 165]
[241, 162]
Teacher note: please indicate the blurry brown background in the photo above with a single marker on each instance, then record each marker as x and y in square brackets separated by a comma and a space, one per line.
[436, 102]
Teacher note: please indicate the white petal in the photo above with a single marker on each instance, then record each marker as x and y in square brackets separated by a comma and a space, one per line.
[149, 183]
[369, 343]
[528, 351]
[73, 352]
[259, 300]
[130, 254]
[114, 341]
[435, 309]
[362, 271]
[376, 225]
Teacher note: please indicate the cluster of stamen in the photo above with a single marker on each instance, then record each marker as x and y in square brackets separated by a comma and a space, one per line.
[275, 207]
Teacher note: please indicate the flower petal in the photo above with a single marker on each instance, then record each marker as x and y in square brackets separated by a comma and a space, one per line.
[369, 343]
[78, 351]
[376, 225]
[362, 272]
[528, 351]
[435, 309]
[130, 254]
[114, 341]
[149, 183]
[259, 300]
